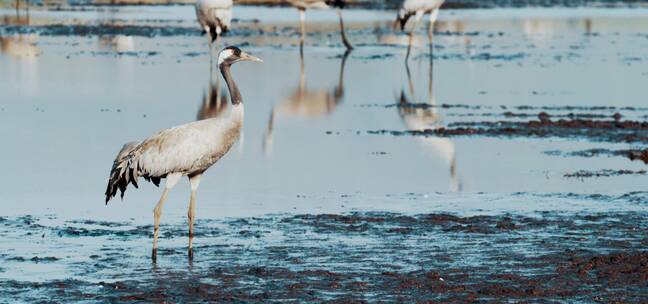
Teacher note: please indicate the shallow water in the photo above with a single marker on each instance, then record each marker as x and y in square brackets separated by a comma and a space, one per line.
[78, 83]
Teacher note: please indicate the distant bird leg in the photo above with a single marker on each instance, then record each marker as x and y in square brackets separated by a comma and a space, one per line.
[339, 90]
[210, 43]
[346, 42]
[302, 26]
[433, 17]
[212, 34]
[417, 18]
[172, 180]
[191, 214]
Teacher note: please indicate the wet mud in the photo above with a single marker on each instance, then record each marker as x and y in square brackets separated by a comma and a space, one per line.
[358, 257]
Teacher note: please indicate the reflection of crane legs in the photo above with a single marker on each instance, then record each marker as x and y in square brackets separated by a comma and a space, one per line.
[267, 140]
[17, 5]
[301, 95]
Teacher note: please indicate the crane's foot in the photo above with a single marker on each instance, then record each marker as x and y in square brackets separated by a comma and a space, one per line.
[154, 255]
[190, 254]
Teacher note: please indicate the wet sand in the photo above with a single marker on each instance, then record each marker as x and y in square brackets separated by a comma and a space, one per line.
[506, 161]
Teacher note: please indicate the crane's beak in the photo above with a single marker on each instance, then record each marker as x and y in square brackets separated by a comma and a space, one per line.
[247, 57]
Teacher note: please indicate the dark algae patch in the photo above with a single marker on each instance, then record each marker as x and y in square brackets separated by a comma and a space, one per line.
[631, 154]
[604, 173]
[597, 130]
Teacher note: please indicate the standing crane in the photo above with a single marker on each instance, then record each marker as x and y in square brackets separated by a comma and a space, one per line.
[215, 18]
[417, 8]
[186, 150]
[303, 5]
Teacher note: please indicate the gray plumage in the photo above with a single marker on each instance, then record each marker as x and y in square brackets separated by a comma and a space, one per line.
[188, 149]
[214, 16]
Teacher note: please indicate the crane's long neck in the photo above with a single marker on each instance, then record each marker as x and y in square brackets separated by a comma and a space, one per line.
[235, 94]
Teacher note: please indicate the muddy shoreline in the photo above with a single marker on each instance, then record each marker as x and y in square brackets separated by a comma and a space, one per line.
[425, 257]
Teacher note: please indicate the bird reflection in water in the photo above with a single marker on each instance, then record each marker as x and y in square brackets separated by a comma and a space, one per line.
[425, 116]
[111, 42]
[306, 103]
[214, 102]
[19, 46]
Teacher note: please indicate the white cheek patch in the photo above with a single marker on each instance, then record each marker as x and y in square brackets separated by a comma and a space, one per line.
[223, 55]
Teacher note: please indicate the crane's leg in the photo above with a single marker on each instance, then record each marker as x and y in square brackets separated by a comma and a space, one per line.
[346, 42]
[419, 15]
[433, 17]
[191, 214]
[302, 27]
[172, 180]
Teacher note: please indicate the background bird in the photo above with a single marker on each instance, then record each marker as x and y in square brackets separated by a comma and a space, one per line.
[418, 8]
[186, 150]
[306, 103]
[215, 18]
[303, 5]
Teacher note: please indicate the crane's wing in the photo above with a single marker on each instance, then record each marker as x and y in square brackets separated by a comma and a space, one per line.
[173, 150]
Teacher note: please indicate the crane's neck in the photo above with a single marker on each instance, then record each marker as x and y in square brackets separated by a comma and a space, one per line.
[235, 94]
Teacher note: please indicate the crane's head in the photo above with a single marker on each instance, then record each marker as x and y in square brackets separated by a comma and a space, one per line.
[401, 19]
[232, 54]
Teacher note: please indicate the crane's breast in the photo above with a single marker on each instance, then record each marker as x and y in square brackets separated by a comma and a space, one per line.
[216, 143]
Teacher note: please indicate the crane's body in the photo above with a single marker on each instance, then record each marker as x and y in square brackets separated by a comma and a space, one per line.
[418, 8]
[425, 6]
[186, 150]
[308, 4]
[214, 16]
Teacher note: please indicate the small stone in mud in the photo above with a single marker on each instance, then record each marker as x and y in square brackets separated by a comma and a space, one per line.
[617, 116]
[543, 116]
